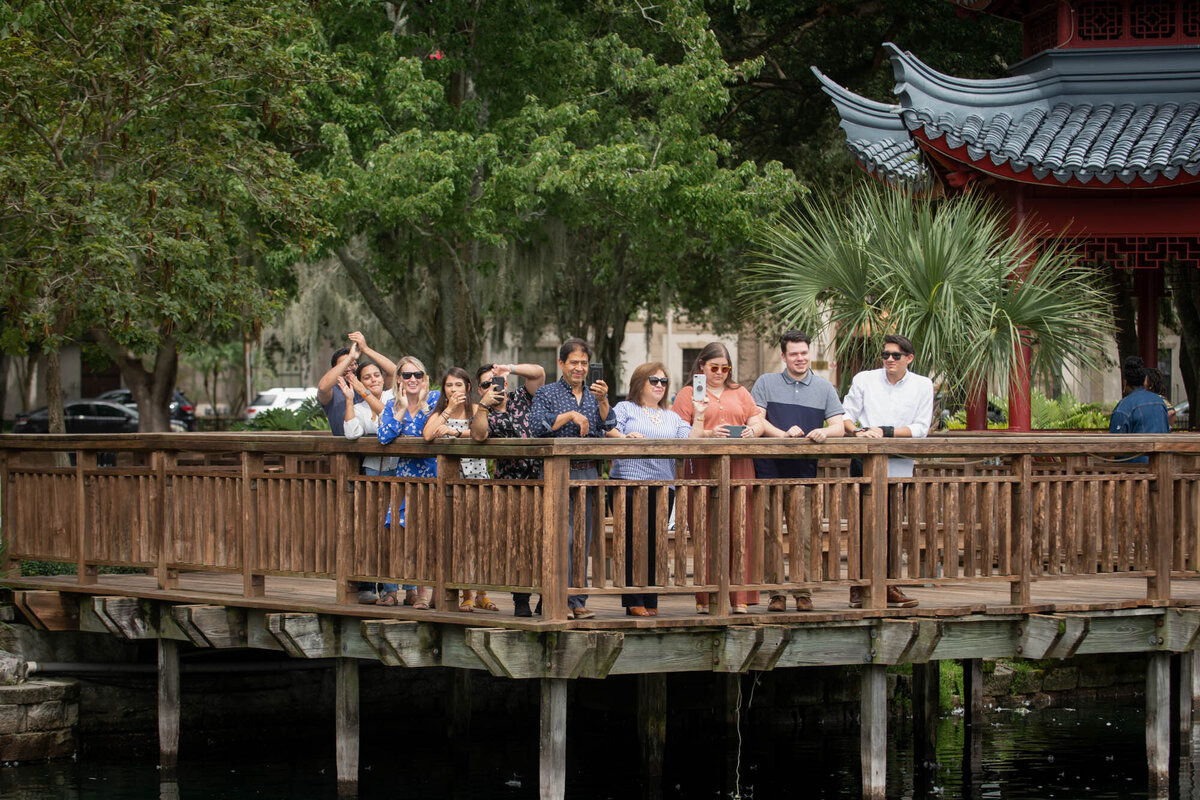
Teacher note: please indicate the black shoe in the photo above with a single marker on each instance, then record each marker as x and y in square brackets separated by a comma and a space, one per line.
[521, 607]
[538, 609]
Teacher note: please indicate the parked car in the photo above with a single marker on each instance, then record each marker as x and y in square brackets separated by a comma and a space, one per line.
[1181, 414]
[82, 416]
[182, 410]
[279, 397]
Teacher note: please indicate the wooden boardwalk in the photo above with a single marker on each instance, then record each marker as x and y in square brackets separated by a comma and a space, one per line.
[1038, 546]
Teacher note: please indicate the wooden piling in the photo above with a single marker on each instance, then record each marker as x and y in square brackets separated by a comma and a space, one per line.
[925, 680]
[652, 721]
[1158, 721]
[346, 726]
[873, 740]
[973, 715]
[168, 705]
[552, 740]
[460, 706]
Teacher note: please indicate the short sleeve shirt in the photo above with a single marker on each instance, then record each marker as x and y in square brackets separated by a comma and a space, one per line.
[514, 423]
[335, 411]
[807, 402]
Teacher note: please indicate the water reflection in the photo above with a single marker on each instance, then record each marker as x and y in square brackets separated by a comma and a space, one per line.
[1015, 754]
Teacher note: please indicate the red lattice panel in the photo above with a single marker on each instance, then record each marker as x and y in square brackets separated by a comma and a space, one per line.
[1152, 20]
[1144, 252]
[1100, 21]
[1041, 31]
[1190, 19]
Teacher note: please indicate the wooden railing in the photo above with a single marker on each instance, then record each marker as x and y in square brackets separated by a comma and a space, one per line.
[1009, 508]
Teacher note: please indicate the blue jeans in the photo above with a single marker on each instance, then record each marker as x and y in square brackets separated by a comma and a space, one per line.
[579, 600]
[383, 587]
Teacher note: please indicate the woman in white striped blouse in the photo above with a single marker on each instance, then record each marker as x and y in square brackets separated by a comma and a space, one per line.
[645, 416]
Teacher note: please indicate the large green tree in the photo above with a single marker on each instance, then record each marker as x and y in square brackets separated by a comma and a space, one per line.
[531, 164]
[144, 175]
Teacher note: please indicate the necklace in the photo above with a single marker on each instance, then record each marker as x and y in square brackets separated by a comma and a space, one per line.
[655, 415]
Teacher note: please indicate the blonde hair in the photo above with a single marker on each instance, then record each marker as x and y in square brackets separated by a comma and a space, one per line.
[401, 396]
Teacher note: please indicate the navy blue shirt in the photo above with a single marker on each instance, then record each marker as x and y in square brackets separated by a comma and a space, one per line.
[557, 398]
[1142, 411]
[335, 411]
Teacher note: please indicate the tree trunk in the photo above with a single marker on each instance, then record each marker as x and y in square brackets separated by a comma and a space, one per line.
[5, 360]
[54, 393]
[151, 388]
[1124, 314]
[1184, 283]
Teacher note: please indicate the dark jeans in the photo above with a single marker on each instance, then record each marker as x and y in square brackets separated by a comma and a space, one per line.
[645, 600]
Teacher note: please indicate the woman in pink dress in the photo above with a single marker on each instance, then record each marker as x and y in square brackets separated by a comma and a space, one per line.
[726, 403]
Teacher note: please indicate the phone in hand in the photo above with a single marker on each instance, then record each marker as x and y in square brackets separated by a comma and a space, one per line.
[499, 383]
[595, 372]
[698, 390]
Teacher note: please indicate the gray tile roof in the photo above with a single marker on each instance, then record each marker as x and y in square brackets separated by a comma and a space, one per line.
[1090, 118]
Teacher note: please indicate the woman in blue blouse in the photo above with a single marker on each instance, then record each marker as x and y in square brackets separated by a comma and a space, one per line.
[645, 416]
[405, 415]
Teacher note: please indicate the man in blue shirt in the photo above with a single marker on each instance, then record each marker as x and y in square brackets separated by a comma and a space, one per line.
[565, 408]
[1141, 411]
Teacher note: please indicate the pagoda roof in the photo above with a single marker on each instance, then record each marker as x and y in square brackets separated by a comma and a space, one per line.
[1112, 118]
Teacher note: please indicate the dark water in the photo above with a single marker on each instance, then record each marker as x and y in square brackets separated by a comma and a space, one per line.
[1094, 752]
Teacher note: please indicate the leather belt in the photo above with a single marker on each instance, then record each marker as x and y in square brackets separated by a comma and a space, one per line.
[583, 464]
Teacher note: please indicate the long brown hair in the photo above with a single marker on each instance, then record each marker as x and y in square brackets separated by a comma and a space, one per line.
[715, 350]
[637, 382]
[444, 400]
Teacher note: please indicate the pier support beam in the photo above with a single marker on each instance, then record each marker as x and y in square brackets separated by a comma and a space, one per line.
[1183, 688]
[1158, 722]
[460, 707]
[873, 721]
[168, 705]
[552, 740]
[973, 717]
[925, 684]
[346, 726]
[652, 721]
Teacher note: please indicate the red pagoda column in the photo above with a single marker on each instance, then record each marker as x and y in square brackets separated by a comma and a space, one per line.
[1020, 403]
[977, 409]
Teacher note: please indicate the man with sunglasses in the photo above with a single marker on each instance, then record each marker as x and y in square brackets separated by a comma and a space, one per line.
[796, 404]
[890, 402]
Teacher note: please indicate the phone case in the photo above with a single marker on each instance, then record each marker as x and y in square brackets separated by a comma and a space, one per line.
[698, 385]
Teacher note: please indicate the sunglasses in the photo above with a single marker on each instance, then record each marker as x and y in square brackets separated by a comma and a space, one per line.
[891, 354]
[657, 381]
[716, 369]
[410, 375]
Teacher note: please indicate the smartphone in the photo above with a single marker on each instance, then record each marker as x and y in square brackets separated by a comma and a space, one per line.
[595, 372]
[698, 384]
[735, 431]
[500, 383]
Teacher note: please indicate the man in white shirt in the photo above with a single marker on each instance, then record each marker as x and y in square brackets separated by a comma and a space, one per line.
[890, 402]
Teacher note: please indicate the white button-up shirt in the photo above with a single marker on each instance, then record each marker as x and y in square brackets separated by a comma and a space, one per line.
[874, 402]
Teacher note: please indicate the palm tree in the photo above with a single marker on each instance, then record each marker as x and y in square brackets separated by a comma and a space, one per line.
[950, 274]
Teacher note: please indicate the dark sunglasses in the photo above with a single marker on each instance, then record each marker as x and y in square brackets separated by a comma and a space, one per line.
[889, 354]
[410, 375]
[657, 381]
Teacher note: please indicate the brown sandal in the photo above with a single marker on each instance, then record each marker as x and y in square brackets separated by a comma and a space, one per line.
[388, 599]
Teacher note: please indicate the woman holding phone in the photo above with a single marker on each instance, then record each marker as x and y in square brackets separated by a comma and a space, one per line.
[451, 418]
[725, 409]
[645, 416]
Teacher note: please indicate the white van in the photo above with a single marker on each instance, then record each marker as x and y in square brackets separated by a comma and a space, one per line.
[279, 397]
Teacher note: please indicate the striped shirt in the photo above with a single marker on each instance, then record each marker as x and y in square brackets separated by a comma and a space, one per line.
[653, 424]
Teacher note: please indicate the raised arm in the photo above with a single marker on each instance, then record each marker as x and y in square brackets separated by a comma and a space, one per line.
[328, 381]
[385, 364]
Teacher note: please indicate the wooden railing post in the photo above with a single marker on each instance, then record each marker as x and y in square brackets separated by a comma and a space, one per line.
[722, 543]
[447, 469]
[167, 578]
[8, 529]
[874, 529]
[1023, 528]
[344, 547]
[1162, 538]
[554, 538]
[86, 572]
[253, 583]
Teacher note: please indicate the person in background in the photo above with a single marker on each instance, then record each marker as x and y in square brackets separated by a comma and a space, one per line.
[405, 415]
[568, 408]
[645, 416]
[502, 415]
[344, 364]
[1140, 410]
[795, 404]
[362, 419]
[451, 418]
[890, 402]
[1157, 384]
[726, 403]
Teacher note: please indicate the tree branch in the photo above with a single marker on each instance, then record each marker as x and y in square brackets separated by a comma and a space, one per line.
[373, 297]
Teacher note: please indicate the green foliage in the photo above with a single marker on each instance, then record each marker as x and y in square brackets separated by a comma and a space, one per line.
[307, 417]
[144, 170]
[1063, 413]
[948, 274]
